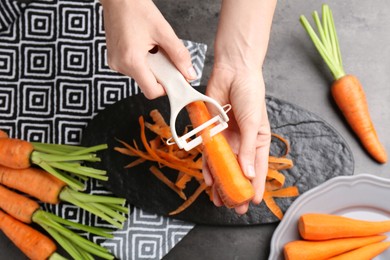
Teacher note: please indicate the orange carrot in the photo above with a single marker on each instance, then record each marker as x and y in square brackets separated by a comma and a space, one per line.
[28, 211]
[33, 181]
[31, 242]
[318, 250]
[346, 89]
[364, 253]
[47, 188]
[232, 185]
[313, 226]
[17, 205]
[62, 161]
[3, 134]
[15, 153]
[350, 98]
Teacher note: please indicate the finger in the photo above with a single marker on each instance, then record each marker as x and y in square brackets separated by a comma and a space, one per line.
[208, 179]
[247, 152]
[179, 54]
[261, 159]
[216, 199]
[242, 209]
[261, 173]
[146, 80]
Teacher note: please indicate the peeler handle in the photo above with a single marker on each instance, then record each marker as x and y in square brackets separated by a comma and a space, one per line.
[179, 91]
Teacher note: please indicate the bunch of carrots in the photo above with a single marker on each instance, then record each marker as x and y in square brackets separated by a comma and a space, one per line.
[346, 89]
[234, 187]
[59, 177]
[328, 236]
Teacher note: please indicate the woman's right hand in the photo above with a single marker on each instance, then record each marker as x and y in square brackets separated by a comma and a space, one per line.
[132, 29]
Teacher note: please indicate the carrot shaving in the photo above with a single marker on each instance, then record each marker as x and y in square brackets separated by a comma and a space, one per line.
[276, 175]
[135, 162]
[182, 180]
[280, 163]
[284, 141]
[156, 172]
[189, 165]
[190, 200]
[272, 205]
[291, 191]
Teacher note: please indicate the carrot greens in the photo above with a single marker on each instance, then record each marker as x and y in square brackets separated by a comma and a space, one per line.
[327, 42]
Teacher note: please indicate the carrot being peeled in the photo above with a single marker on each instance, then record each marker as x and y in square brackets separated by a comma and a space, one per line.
[318, 250]
[315, 226]
[232, 185]
[189, 164]
[346, 89]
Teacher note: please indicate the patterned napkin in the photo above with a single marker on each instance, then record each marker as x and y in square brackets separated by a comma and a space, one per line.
[54, 79]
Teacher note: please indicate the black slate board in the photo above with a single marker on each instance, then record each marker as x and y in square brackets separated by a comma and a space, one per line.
[318, 151]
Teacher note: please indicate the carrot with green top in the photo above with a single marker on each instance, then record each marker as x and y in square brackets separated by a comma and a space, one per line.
[319, 250]
[346, 89]
[47, 188]
[233, 187]
[34, 244]
[62, 161]
[28, 211]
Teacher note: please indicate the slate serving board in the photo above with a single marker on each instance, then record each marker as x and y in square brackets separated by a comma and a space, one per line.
[318, 151]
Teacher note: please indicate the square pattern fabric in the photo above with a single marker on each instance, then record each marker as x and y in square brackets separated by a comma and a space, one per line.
[54, 79]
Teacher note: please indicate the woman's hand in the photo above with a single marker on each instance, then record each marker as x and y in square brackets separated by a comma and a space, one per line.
[237, 79]
[133, 28]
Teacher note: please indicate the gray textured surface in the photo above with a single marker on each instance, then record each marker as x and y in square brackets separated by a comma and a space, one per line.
[294, 72]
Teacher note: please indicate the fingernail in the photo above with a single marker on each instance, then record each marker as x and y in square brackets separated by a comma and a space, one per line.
[192, 72]
[250, 172]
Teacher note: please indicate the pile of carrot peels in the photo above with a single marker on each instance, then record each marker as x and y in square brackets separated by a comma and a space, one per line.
[189, 165]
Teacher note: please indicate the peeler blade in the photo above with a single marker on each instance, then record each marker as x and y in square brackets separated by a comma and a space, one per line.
[221, 124]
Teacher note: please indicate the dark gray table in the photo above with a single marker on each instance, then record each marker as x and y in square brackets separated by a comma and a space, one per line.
[293, 71]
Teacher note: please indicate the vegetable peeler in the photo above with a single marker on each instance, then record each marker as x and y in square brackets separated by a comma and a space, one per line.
[180, 93]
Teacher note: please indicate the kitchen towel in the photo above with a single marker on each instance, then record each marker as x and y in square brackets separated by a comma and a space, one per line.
[54, 79]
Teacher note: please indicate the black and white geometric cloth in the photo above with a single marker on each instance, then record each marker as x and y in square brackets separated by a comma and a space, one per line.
[54, 79]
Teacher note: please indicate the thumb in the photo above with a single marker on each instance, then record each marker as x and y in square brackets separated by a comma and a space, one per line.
[180, 57]
[247, 151]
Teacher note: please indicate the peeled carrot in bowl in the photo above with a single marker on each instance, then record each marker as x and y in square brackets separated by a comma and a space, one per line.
[346, 89]
[318, 250]
[315, 226]
[364, 252]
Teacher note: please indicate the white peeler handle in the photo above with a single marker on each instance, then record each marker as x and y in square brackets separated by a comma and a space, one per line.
[179, 91]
